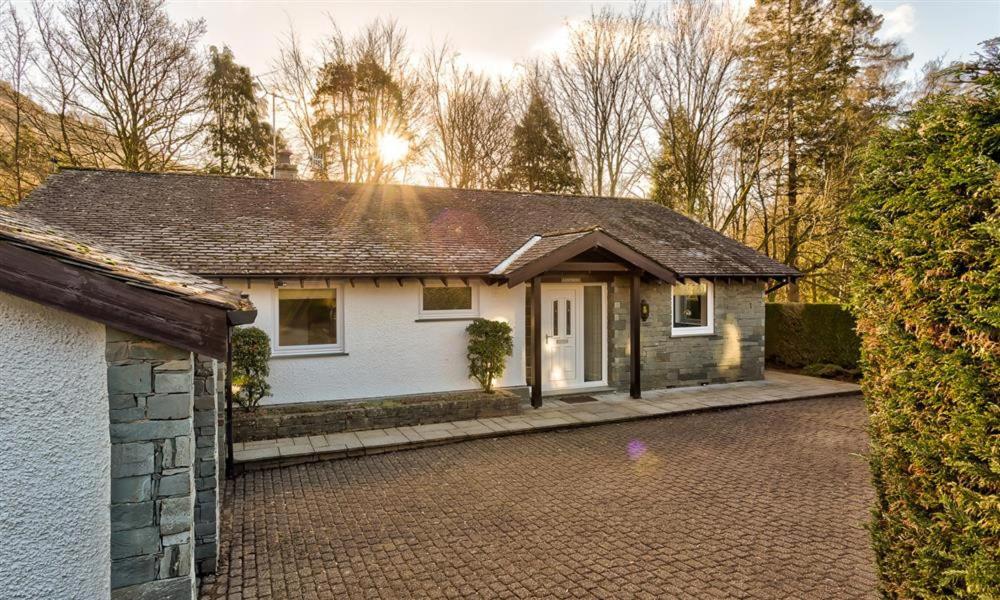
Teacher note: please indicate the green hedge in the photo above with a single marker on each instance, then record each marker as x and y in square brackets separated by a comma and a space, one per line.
[799, 335]
[925, 242]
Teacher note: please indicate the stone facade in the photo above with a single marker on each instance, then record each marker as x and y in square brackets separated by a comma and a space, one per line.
[153, 467]
[735, 352]
[206, 473]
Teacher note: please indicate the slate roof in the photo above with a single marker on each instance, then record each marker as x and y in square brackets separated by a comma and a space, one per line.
[214, 225]
[33, 234]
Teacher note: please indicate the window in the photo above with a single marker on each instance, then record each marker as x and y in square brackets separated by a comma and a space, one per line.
[309, 321]
[448, 302]
[692, 309]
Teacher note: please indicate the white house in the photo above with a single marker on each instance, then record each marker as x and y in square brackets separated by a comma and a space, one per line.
[366, 290]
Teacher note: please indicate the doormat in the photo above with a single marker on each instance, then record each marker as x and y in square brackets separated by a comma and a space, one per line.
[577, 399]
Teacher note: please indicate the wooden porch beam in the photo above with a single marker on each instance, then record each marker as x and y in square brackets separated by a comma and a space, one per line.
[536, 342]
[635, 358]
[591, 266]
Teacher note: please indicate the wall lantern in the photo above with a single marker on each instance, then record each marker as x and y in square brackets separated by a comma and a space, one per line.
[644, 309]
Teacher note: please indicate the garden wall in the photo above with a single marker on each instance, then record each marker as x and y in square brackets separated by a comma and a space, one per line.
[317, 418]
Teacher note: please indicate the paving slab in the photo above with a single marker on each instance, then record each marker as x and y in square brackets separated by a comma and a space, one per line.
[609, 407]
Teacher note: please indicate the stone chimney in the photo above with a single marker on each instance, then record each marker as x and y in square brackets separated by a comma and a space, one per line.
[283, 168]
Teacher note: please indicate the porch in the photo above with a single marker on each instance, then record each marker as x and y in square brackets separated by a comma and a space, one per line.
[559, 412]
[601, 315]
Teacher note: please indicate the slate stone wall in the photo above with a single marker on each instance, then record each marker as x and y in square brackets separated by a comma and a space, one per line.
[206, 474]
[336, 416]
[735, 352]
[153, 457]
[220, 421]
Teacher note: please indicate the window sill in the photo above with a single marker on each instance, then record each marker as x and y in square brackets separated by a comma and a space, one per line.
[693, 334]
[436, 319]
[308, 354]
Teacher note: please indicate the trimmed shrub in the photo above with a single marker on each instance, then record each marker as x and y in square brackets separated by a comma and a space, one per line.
[925, 240]
[251, 351]
[490, 343]
[798, 335]
[831, 372]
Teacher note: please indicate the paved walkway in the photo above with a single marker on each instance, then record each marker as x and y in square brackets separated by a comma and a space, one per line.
[554, 414]
[766, 501]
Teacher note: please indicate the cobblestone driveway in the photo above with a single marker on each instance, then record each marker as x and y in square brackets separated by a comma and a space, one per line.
[759, 502]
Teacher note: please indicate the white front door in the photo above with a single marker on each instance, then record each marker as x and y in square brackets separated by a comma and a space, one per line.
[560, 335]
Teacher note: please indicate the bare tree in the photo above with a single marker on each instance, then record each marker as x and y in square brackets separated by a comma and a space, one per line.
[364, 103]
[691, 68]
[470, 121]
[599, 102]
[15, 55]
[137, 75]
[70, 137]
[294, 82]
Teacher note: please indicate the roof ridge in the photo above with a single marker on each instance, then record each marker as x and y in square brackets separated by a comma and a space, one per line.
[588, 229]
[196, 173]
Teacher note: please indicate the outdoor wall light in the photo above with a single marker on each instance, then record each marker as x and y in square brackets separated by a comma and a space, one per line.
[644, 309]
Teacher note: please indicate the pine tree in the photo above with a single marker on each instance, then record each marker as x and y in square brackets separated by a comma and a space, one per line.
[241, 141]
[674, 183]
[815, 82]
[541, 159]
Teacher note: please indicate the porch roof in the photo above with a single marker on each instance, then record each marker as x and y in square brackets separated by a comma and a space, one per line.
[552, 251]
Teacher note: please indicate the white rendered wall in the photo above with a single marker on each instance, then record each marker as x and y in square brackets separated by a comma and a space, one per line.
[55, 455]
[388, 352]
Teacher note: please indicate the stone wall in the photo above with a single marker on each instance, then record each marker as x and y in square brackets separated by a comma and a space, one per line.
[220, 412]
[206, 475]
[317, 418]
[152, 415]
[735, 352]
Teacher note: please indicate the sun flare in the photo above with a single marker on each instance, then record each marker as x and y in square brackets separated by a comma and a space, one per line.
[392, 148]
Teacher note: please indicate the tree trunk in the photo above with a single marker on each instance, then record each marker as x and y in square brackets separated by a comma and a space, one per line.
[793, 182]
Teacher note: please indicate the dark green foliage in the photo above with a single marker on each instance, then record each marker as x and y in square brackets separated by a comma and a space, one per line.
[925, 240]
[798, 335]
[490, 343]
[251, 351]
[674, 182]
[815, 80]
[829, 371]
[241, 141]
[541, 159]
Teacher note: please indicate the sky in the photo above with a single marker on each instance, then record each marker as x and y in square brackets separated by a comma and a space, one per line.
[498, 35]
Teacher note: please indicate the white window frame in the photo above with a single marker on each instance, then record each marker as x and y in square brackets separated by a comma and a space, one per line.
[311, 349]
[470, 313]
[689, 331]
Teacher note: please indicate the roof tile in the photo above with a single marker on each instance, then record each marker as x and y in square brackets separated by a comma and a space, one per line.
[213, 225]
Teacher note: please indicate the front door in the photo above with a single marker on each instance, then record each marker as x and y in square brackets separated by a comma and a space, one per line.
[560, 332]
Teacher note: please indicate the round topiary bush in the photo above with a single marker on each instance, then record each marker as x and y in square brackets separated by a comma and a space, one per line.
[925, 240]
[251, 351]
[490, 343]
